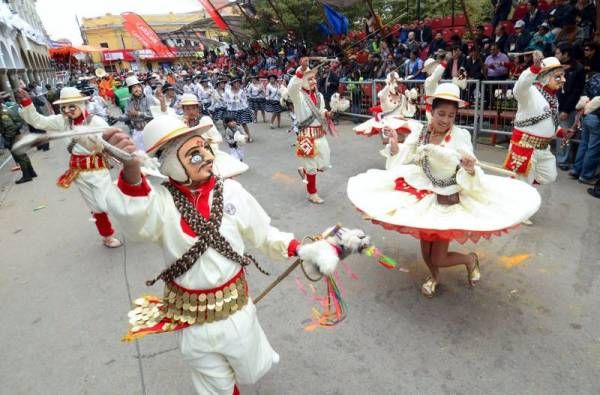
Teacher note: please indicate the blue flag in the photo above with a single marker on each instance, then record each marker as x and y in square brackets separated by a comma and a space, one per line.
[337, 23]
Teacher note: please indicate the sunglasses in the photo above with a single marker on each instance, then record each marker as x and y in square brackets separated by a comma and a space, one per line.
[69, 108]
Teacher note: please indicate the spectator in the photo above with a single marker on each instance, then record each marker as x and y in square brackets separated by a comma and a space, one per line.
[543, 39]
[474, 64]
[501, 10]
[534, 17]
[495, 67]
[500, 38]
[457, 40]
[456, 62]
[568, 33]
[591, 59]
[403, 33]
[437, 44]
[412, 44]
[587, 10]
[520, 40]
[413, 67]
[480, 38]
[588, 152]
[424, 32]
[53, 95]
[567, 99]
[584, 29]
[562, 13]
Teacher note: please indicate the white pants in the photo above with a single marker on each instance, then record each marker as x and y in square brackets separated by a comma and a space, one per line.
[226, 352]
[322, 159]
[543, 168]
[89, 183]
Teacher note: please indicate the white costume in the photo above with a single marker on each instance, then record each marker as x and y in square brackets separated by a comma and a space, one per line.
[319, 158]
[219, 335]
[404, 198]
[432, 81]
[87, 165]
[391, 112]
[536, 123]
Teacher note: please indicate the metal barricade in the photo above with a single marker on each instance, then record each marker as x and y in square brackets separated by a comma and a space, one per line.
[497, 112]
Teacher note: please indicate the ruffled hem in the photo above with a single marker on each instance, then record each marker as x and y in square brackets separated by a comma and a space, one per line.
[373, 127]
[459, 235]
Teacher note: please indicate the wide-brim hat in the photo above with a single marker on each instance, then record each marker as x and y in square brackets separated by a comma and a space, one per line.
[189, 99]
[549, 64]
[164, 129]
[235, 79]
[70, 94]
[449, 92]
[100, 72]
[132, 80]
[167, 87]
[429, 63]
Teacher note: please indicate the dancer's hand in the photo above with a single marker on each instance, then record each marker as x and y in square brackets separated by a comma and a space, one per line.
[119, 139]
[538, 56]
[304, 62]
[467, 162]
[21, 94]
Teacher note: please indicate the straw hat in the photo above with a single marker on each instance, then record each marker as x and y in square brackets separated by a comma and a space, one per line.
[100, 72]
[132, 80]
[189, 99]
[163, 129]
[70, 94]
[549, 64]
[429, 63]
[447, 91]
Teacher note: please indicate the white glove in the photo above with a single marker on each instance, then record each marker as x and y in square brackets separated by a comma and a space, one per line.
[321, 254]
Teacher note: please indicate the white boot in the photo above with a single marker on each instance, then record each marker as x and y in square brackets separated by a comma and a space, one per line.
[314, 198]
[112, 242]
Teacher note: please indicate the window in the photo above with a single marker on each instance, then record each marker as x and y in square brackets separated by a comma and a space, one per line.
[103, 45]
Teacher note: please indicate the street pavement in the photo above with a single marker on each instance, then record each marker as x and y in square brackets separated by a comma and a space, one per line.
[529, 327]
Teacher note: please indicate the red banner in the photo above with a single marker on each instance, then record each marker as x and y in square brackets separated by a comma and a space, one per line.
[214, 14]
[137, 26]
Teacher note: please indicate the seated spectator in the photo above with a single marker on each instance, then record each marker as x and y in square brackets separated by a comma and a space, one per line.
[437, 44]
[403, 33]
[562, 13]
[457, 41]
[568, 33]
[413, 67]
[424, 33]
[591, 59]
[500, 38]
[411, 43]
[519, 41]
[480, 38]
[474, 64]
[584, 29]
[587, 10]
[496, 64]
[534, 17]
[456, 62]
[543, 39]
[501, 10]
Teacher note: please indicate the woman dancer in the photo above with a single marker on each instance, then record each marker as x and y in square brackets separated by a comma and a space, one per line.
[435, 191]
[256, 97]
[237, 106]
[218, 107]
[272, 104]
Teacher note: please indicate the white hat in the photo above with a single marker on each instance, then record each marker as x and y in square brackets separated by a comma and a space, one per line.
[100, 72]
[165, 128]
[519, 24]
[549, 64]
[132, 80]
[428, 64]
[189, 99]
[447, 91]
[70, 94]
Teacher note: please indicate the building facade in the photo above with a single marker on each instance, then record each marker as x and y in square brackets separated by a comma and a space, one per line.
[23, 45]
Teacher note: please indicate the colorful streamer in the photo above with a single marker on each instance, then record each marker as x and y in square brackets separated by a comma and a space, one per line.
[382, 259]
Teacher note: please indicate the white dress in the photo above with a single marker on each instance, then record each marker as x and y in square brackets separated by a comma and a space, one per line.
[390, 115]
[403, 198]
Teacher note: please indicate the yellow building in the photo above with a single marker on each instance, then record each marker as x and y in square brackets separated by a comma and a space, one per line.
[107, 32]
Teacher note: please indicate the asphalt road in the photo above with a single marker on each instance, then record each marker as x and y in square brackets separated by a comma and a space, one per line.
[530, 326]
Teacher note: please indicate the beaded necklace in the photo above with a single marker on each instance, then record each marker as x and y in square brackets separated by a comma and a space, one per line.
[424, 139]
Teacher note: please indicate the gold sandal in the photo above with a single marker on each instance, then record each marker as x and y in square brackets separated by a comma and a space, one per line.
[429, 287]
[474, 275]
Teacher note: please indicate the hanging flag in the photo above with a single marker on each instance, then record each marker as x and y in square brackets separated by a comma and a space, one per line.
[336, 23]
[137, 26]
[214, 14]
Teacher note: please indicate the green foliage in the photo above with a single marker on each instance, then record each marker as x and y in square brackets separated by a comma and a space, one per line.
[302, 16]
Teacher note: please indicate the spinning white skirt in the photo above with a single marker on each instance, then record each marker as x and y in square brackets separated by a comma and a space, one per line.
[401, 199]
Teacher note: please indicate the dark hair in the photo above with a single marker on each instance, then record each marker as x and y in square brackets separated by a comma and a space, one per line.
[566, 48]
[438, 102]
[228, 119]
[533, 2]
